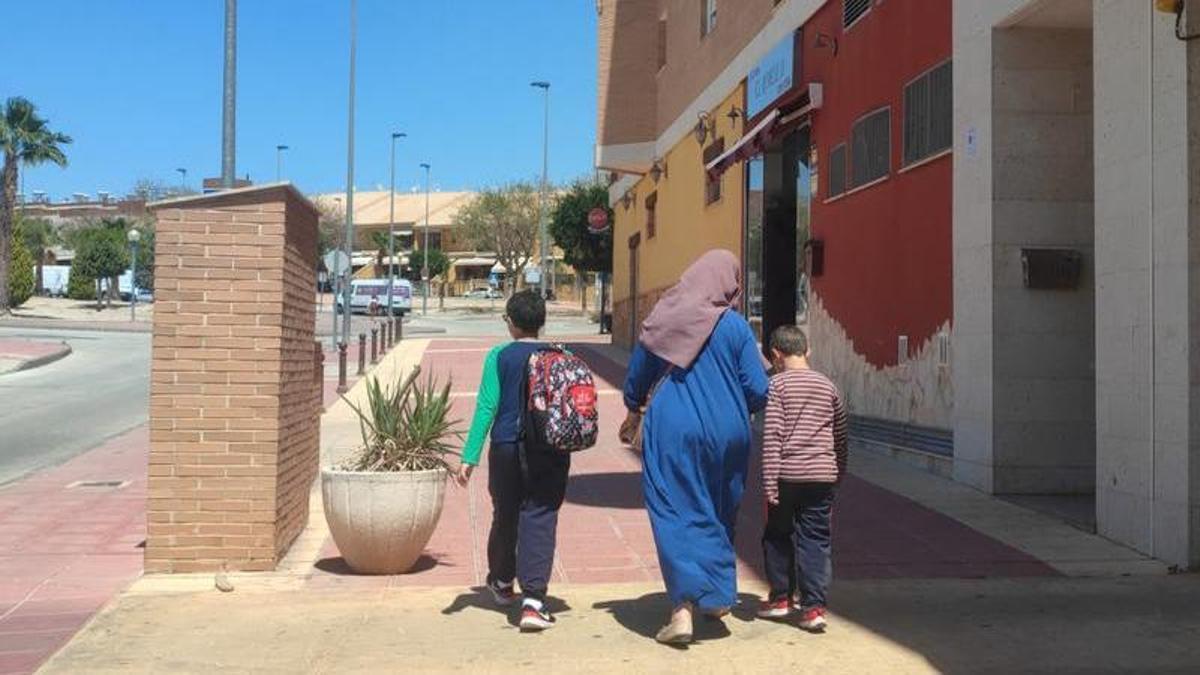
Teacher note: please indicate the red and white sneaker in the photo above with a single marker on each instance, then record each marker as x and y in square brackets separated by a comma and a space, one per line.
[778, 608]
[534, 620]
[813, 620]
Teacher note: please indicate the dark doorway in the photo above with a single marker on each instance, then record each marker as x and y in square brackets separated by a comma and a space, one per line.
[779, 198]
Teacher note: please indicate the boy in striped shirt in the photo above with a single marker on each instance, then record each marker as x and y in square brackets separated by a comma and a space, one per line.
[804, 458]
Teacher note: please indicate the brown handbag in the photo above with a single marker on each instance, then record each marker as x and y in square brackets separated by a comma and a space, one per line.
[631, 429]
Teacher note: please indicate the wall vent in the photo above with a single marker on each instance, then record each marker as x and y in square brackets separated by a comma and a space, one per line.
[943, 349]
[853, 10]
[902, 349]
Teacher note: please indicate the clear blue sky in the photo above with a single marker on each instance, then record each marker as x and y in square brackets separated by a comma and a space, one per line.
[138, 85]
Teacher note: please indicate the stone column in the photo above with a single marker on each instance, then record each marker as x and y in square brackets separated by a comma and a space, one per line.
[235, 392]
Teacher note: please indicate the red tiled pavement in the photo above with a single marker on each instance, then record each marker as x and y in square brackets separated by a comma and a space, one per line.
[27, 349]
[66, 551]
[604, 535]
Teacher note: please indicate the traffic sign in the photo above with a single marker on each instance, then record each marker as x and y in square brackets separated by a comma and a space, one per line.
[598, 220]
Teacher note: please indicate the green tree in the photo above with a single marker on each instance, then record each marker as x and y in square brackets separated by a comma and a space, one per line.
[438, 263]
[20, 272]
[26, 140]
[39, 236]
[80, 286]
[583, 249]
[504, 221]
[145, 255]
[331, 224]
[102, 254]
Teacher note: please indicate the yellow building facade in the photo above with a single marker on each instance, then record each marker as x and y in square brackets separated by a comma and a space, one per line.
[672, 215]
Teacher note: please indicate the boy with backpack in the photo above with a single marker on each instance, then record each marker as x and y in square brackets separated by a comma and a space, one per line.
[803, 461]
[539, 402]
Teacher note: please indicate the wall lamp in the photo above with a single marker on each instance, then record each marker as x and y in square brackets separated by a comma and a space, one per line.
[628, 199]
[704, 126]
[1175, 7]
[824, 40]
[733, 115]
[658, 170]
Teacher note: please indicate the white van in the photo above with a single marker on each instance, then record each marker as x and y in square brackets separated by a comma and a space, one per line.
[366, 294]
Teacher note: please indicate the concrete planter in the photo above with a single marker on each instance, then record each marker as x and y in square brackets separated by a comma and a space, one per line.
[381, 521]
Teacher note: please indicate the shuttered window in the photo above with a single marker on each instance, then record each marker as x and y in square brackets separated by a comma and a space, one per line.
[662, 42]
[870, 148]
[837, 170]
[712, 186]
[852, 10]
[928, 113]
[708, 16]
[651, 215]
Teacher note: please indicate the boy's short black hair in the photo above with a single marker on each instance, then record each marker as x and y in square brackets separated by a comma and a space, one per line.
[789, 340]
[527, 311]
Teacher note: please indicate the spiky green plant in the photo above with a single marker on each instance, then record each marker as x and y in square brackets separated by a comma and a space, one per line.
[406, 426]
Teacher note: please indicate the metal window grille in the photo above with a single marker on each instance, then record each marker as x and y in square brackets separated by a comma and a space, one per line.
[871, 148]
[928, 113]
[837, 170]
[852, 10]
[708, 16]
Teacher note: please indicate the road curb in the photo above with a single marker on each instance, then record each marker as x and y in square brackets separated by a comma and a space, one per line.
[66, 324]
[44, 359]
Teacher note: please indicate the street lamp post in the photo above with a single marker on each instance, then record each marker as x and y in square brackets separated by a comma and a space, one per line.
[229, 100]
[182, 177]
[133, 236]
[349, 243]
[543, 244]
[392, 225]
[279, 161]
[425, 246]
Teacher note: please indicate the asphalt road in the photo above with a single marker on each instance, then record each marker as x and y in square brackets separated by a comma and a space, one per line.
[53, 413]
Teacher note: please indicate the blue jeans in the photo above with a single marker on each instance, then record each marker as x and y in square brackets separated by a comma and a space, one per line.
[526, 495]
[797, 542]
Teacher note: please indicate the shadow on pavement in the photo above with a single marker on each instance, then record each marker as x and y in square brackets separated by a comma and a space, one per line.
[645, 615]
[481, 598]
[337, 565]
[607, 490]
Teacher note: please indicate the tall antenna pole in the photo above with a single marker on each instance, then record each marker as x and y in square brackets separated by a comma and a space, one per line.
[229, 105]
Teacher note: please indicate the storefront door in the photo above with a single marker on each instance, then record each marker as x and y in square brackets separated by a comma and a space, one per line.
[778, 223]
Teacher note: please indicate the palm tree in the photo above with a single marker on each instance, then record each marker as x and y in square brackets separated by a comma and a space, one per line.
[26, 140]
[39, 237]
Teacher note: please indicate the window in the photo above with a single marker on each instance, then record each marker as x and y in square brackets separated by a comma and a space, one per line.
[712, 186]
[853, 10]
[662, 42]
[870, 147]
[837, 170]
[708, 16]
[651, 215]
[928, 109]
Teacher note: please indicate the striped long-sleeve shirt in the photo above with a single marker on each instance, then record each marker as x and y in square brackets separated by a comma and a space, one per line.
[804, 432]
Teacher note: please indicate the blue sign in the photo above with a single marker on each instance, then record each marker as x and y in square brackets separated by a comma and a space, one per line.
[771, 77]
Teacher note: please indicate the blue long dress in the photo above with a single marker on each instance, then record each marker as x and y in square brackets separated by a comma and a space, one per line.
[696, 447]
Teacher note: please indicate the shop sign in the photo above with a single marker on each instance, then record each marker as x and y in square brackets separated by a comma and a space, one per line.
[771, 77]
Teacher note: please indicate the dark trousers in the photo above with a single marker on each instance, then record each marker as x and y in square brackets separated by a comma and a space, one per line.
[526, 495]
[797, 542]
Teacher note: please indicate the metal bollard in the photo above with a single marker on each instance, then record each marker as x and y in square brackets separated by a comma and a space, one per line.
[387, 336]
[374, 345]
[399, 328]
[341, 388]
[362, 353]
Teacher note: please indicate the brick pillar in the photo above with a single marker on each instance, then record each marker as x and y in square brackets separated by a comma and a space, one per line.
[235, 393]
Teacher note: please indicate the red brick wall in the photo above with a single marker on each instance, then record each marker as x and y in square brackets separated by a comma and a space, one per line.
[234, 410]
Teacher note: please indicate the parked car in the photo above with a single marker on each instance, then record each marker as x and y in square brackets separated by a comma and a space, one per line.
[372, 294]
[484, 294]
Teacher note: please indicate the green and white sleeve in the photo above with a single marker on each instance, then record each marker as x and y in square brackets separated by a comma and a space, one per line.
[487, 401]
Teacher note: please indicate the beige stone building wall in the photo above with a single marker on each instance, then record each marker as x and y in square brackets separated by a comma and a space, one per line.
[234, 412]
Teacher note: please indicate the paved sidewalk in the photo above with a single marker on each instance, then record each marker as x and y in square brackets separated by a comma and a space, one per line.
[21, 354]
[67, 548]
[1140, 624]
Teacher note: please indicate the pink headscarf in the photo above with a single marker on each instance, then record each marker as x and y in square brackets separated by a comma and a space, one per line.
[684, 318]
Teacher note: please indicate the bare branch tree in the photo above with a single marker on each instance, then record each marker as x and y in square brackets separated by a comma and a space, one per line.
[504, 221]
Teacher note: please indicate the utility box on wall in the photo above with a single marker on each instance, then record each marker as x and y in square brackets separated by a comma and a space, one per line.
[1051, 269]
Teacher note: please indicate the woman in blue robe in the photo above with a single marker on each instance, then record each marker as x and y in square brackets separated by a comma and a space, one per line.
[698, 372]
